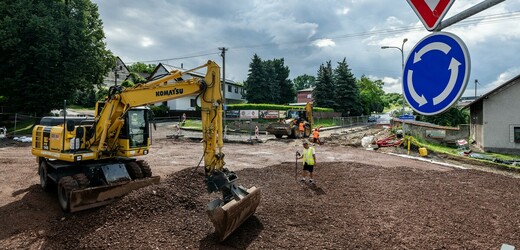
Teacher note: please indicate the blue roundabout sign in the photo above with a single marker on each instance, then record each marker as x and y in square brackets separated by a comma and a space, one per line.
[436, 73]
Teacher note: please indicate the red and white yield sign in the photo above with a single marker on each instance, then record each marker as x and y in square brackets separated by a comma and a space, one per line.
[430, 12]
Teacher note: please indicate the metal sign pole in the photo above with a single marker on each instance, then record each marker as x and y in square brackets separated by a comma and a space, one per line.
[467, 13]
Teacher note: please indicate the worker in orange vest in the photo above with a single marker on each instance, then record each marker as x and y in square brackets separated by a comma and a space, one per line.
[316, 136]
[301, 129]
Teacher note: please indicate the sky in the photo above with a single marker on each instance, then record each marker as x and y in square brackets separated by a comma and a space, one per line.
[307, 34]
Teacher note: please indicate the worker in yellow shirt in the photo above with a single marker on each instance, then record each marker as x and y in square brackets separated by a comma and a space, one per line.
[309, 161]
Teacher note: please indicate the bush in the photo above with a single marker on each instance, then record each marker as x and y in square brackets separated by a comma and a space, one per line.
[161, 110]
[255, 106]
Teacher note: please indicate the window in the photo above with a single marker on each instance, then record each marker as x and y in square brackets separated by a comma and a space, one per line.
[229, 88]
[236, 90]
[193, 103]
[516, 134]
[309, 96]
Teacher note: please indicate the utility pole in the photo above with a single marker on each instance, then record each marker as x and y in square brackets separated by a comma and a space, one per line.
[116, 75]
[223, 55]
[476, 82]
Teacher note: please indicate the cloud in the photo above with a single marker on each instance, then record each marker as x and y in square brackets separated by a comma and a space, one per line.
[391, 85]
[501, 79]
[324, 43]
[278, 23]
[146, 42]
[343, 11]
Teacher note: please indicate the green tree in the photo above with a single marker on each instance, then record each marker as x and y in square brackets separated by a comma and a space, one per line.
[49, 50]
[304, 81]
[347, 96]
[451, 117]
[324, 90]
[371, 93]
[85, 98]
[286, 91]
[267, 82]
[256, 90]
[270, 82]
[392, 99]
[140, 67]
[133, 79]
[101, 93]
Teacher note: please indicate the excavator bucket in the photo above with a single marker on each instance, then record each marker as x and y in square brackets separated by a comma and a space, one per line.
[226, 218]
[82, 199]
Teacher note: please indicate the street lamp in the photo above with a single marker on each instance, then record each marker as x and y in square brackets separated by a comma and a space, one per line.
[402, 62]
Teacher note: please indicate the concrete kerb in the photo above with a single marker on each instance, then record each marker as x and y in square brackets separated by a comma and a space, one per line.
[428, 160]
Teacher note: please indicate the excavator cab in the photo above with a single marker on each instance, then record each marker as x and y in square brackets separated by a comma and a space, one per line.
[137, 128]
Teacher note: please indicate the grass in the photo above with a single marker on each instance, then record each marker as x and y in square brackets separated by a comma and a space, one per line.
[443, 149]
[324, 122]
[192, 124]
[22, 128]
[79, 108]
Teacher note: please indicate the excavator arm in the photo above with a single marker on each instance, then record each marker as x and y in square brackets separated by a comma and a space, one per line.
[237, 203]
[110, 119]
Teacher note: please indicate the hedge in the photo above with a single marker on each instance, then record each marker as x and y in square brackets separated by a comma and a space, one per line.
[261, 106]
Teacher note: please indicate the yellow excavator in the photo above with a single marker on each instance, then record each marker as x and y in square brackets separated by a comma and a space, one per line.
[93, 162]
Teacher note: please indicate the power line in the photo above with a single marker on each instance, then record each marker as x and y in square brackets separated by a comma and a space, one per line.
[492, 18]
[175, 58]
[484, 19]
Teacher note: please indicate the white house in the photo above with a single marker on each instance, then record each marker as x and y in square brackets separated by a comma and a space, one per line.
[232, 90]
[495, 121]
[118, 74]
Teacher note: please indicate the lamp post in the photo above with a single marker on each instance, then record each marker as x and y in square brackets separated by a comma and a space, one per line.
[402, 66]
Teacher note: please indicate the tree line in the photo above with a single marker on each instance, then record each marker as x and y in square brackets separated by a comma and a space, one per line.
[268, 82]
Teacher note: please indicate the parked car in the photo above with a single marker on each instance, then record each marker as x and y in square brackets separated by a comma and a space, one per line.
[372, 119]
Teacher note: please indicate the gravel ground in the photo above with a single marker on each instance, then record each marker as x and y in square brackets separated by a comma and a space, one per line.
[362, 200]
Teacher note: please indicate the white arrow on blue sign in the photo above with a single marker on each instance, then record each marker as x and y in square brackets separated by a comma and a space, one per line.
[436, 73]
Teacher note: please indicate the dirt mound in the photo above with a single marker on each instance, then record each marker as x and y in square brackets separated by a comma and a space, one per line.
[352, 206]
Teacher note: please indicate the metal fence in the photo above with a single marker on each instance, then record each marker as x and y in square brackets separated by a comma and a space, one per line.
[350, 121]
[11, 123]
